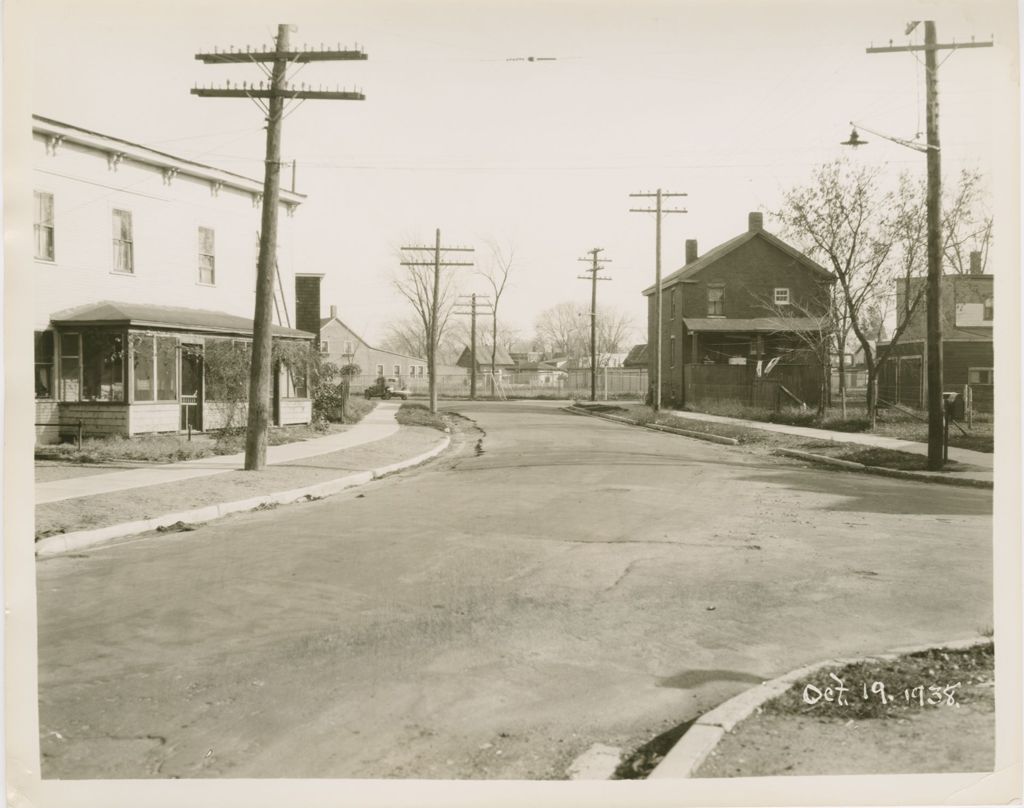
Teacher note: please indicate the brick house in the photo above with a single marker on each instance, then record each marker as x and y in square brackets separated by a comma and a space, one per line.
[142, 263]
[967, 347]
[749, 300]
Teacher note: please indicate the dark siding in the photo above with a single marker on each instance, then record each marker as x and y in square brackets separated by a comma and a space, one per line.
[307, 305]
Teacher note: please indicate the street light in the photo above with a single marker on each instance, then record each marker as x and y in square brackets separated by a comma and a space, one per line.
[933, 297]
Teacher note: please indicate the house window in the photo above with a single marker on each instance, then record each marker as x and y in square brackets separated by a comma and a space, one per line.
[979, 376]
[672, 352]
[166, 369]
[781, 296]
[422, 369]
[206, 256]
[325, 346]
[43, 226]
[987, 312]
[44, 364]
[349, 350]
[123, 245]
[398, 370]
[716, 301]
[142, 368]
[672, 304]
[92, 366]
[380, 370]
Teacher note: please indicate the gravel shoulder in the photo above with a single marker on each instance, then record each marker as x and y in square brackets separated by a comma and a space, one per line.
[143, 503]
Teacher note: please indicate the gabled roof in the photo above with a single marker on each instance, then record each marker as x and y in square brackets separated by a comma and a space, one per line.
[483, 358]
[326, 320]
[145, 315]
[637, 356]
[687, 272]
[760, 325]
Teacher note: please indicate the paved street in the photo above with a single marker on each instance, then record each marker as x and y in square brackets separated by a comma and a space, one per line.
[565, 581]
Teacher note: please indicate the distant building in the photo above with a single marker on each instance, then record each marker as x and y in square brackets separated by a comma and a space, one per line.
[144, 265]
[637, 357]
[342, 346]
[747, 301]
[967, 347]
[503, 363]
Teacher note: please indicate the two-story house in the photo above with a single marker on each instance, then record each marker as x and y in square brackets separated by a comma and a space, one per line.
[143, 264]
[967, 349]
[748, 301]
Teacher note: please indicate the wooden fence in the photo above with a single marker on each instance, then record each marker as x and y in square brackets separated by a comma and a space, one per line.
[786, 385]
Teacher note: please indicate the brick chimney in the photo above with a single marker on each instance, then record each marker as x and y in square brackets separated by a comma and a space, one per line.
[691, 250]
[755, 221]
[307, 303]
[334, 312]
[975, 262]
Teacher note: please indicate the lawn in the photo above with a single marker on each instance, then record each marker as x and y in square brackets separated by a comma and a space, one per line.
[173, 448]
[420, 415]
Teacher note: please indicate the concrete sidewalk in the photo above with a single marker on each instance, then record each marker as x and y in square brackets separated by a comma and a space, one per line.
[378, 424]
[865, 439]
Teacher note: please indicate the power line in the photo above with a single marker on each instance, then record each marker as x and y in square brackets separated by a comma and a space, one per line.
[659, 212]
[431, 304]
[593, 277]
[274, 95]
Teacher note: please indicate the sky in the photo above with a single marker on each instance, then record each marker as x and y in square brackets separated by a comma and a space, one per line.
[730, 102]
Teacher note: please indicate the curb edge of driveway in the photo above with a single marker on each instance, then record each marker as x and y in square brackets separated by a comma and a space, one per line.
[683, 759]
[686, 433]
[79, 539]
[850, 465]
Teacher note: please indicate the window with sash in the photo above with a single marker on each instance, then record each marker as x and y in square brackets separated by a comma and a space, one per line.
[206, 256]
[716, 301]
[44, 364]
[124, 258]
[43, 226]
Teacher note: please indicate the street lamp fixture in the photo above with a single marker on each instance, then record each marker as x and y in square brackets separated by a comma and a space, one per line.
[854, 140]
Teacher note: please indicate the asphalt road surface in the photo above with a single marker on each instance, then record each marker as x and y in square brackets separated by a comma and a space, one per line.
[562, 582]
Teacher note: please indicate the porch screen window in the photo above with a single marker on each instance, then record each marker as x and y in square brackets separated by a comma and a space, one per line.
[70, 367]
[124, 260]
[206, 256]
[43, 225]
[142, 368]
[44, 364]
[102, 366]
[295, 382]
[166, 369]
[716, 301]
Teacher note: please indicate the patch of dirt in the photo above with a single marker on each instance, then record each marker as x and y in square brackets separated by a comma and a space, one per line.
[921, 713]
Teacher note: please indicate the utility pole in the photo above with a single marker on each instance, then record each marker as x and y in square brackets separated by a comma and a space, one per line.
[936, 407]
[659, 212]
[593, 277]
[474, 302]
[433, 305]
[270, 100]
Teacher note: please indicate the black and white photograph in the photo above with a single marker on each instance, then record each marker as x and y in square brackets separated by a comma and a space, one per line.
[575, 402]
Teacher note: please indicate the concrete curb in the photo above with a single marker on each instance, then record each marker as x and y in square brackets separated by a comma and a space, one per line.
[920, 476]
[689, 753]
[686, 433]
[66, 542]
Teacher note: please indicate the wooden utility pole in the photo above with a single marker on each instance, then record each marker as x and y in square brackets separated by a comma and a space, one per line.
[433, 305]
[593, 277]
[271, 100]
[659, 212]
[936, 406]
[474, 303]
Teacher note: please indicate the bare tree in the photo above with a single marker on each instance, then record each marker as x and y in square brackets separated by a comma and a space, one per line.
[496, 272]
[615, 332]
[874, 240]
[562, 329]
[967, 224]
[416, 284]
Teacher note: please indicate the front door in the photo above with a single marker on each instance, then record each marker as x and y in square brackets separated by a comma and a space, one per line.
[192, 387]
